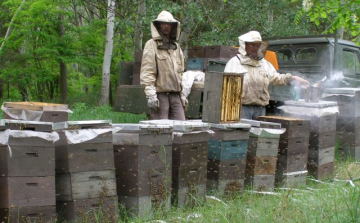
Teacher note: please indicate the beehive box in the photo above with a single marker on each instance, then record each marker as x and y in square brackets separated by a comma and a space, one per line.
[321, 172]
[293, 146]
[227, 150]
[348, 100]
[143, 207]
[225, 187]
[195, 64]
[226, 170]
[84, 185]
[260, 182]
[26, 125]
[230, 132]
[291, 179]
[83, 210]
[125, 73]
[196, 52]
[188, 196]
[28, 214]
[222, 97]
[295, 127]
[318, 157]
[144, 182]
[27, 192]
[84, 146]
[35, 111]
[292, 162]
[322, 140]
[220, 52]
[26, 153]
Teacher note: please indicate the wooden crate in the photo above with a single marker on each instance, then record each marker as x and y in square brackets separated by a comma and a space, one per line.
[225, 187]
[143, 207]
[188, 196]
[293, 146]
[227, 150]
[189, 153]
[295, 127]
[139, 158]
[27, 191]
[143, 183]
[265, 165]
[28, 214]
[83, 185]
[195, 174]
[322, 140]
[87, 210]
[260, 182]
[226, 170]
[220, 51]
[290, 179]
[222, 97]
[292, 162]
[321, 156]
[321, 172]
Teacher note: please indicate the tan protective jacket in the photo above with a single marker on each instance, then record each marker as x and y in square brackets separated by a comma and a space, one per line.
[258, 76]
[161, 70]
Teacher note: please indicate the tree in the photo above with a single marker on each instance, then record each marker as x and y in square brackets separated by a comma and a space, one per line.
[105, 87]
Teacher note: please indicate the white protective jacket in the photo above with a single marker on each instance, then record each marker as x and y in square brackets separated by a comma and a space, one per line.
[258, 74]
[162, 69]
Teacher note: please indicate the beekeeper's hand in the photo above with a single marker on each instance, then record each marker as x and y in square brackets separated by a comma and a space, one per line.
[184, 101]
[153, 102]
[300, 81]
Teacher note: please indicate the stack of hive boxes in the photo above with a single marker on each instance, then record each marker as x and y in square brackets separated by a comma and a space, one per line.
[227, 149]
[27, 171]
[189, 160]
[85, 171]
[199, 56]
[143, 157]
[348, 120]
[322, 117]
[291, 167]
[262, 154]
[137, 67]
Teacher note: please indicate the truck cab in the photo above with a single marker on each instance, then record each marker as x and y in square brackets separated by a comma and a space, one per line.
[313, 58]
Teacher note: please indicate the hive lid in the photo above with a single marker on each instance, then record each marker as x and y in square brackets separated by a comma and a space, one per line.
[3, 122]
[180, 126]
[36, 106]
[231, 126]
[302, 103]
[342, 91]
[73, 125]
[261, 124]
[139, 127]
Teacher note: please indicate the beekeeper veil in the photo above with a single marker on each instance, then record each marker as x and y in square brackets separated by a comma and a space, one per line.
[253, 37]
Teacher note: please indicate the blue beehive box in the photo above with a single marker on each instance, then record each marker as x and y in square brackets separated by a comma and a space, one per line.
[195, 64]
[227, 150]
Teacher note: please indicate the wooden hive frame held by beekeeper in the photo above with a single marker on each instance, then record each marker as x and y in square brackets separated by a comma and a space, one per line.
[222, 97]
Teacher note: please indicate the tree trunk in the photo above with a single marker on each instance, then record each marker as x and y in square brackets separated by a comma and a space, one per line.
[104, 99]
[62, 65]
[138, 36]
[10, 25]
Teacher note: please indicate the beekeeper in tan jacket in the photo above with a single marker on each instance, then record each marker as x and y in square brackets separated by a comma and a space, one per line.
[162, 68]
[259, 74]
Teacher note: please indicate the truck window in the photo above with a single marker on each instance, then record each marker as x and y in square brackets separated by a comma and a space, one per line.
[350, 62]
[305, 54]
[284, 54]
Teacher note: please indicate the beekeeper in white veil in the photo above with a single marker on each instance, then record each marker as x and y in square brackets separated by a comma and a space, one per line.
[259, 74]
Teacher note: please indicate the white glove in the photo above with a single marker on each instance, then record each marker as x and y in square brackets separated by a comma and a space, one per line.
[153, 103]
[184, 101]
